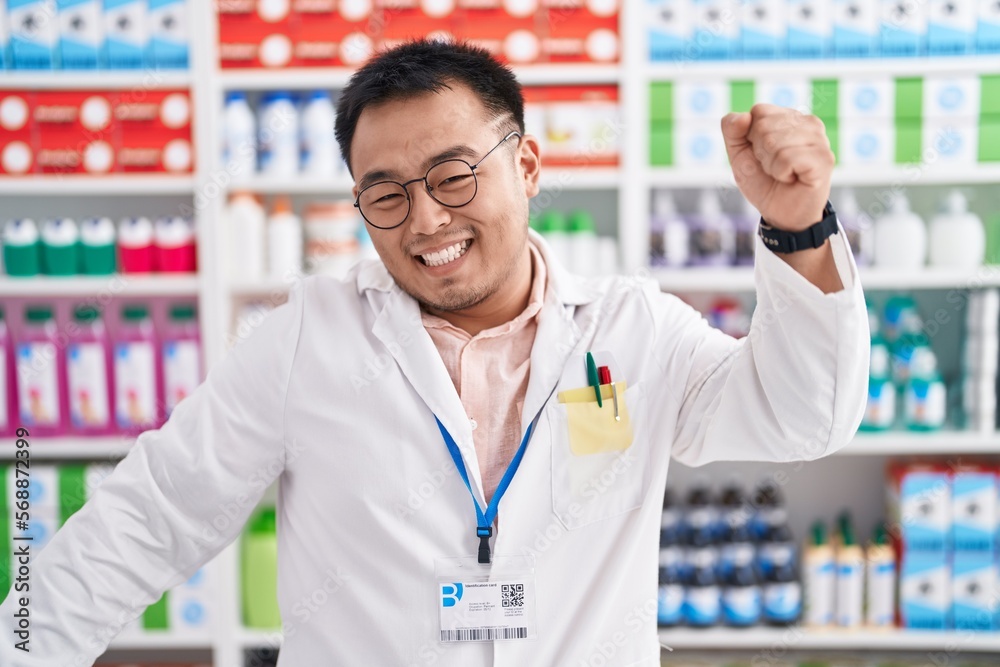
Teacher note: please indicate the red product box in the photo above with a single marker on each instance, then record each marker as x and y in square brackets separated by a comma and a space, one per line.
[77, 132]
[17, 138]
[576, 35]
[582, 124]
[332, 41]
[402, 26]
[314, 7]
[155, 129]
[255, 34]
[513, 40]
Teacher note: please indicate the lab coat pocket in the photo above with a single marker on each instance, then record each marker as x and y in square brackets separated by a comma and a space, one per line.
[598, 464]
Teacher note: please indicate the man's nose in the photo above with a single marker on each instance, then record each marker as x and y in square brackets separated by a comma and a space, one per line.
[426, 214]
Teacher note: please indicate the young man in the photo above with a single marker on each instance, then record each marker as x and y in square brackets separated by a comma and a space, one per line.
[461, 365]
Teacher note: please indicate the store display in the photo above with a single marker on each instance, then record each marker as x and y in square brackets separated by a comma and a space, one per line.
[181, 357]
[41, 373]
[850, 576]
[320, 152]
[576, 126]
[136, 249]
[957, 238]
[22, 256]
[245, 232]
[572, 238]
[819, 578]
[89, 372]
[97, 247]
[138, 370]
[239, 139]
[60, 247]
[278, 135]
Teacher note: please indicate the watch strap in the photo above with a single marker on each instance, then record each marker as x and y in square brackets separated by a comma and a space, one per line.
[780, 240]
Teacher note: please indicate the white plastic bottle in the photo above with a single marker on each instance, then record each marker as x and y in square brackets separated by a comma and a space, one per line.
[245, 221]
[239, 137]
[858, 225]
[583, 245]
[957, 237]
[900, 237]
[319, 144]
[278, 135]
[284, 240]
[671, 239]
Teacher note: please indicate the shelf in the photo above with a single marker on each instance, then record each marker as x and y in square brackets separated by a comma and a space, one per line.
[824, 68]
[860, 176]
[51, 449]
[91, 79]
[904, 443]
[801, 639]
[303, 185]
[248, 638]
[165, 641]
[739, 279]
[259, 288]
[49, 185]
[598, 178]
[116, 285]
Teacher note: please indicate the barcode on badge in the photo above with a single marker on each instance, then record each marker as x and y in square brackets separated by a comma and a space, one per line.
[512, 595]
[483, 634]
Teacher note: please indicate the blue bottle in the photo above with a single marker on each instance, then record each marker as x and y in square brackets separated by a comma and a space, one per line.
[670, 590]
[741, 593]
[782, 589]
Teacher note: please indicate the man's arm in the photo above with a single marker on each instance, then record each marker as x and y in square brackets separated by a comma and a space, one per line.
[180, 496]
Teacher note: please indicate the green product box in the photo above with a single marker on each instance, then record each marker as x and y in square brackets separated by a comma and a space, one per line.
[741, 95]
[989, 138]
[72, 490]
[661, 144]
[908, 141]
[661, 101]
[157, 615]
[989, 95]
[909, 99]
[825, 100]
[833, 134]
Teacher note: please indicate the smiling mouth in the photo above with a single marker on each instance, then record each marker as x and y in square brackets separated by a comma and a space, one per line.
[446, 256]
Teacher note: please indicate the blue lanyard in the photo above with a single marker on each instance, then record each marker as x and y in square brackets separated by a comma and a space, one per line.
[484, 525]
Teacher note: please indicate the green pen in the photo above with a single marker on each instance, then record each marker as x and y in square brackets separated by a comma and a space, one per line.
[593, 380]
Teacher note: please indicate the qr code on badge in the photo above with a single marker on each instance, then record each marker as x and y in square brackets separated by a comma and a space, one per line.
[511, 595]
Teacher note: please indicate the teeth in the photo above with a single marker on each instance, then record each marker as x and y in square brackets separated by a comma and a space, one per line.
[447, 255]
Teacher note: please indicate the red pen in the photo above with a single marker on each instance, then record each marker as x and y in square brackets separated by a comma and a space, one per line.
[604, 374]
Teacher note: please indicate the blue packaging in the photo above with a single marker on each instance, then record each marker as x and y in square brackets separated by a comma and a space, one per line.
[925, 590]
[81, 33]
[32, 26]
[926, 510]
[126, 34]
[810, 29]
[988, 27]
[671, 28]
[951, 28]
[974, 582]
[716, 29]
[4, 37]
[855, 28]
[763, 29]
[903, 28]
[168, 34]
[974, 510]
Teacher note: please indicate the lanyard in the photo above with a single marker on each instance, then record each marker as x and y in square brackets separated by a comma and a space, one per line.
[484, 520]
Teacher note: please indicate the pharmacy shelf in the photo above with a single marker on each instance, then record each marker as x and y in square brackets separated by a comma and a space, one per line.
[164, 641]
[116, 285]
[893, 443]
[554, 179]
[248, 638]
[94, 80]
[329, 78]
[791, 639]
[305, 185]
[72, 185]
[259, 288]
[57, 449]
[859, 176]
[819, 69]
[738, 279]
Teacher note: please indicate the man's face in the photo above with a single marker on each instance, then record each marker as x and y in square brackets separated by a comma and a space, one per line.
[399, 141]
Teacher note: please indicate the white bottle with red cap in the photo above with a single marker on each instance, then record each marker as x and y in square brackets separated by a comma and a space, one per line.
[175, 245]
[135, 245]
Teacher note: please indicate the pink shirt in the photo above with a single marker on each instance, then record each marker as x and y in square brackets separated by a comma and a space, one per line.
[490, 372]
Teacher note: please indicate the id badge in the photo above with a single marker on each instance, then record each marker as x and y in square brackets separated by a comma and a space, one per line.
[482, 603]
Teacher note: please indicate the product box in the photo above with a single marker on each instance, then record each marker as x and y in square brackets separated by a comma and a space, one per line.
[925, 589]
[763, 30]
[789, 92]
[42, 525]
[699, 144]
[949, 141]
[183, 610]
[866, 142]
[869, 97]
[953, 96]
[974, 591]
[155, 132]
[903, 28]
[349, 43]
[17, 150]
[514, 40]
[248, 39]
[810, 28]
[856, 28]
[33, 29]
[974, 508]
[81, 33]
[988, 27]
[716, 29]
[578, 36]
[671, 29]
[919, 503]
[701, 100]
[76, 132]
[582, 124]
[126, 34]
[4, 37]
[168, 34]
[951, 28]
[661, 144]
[42, 487]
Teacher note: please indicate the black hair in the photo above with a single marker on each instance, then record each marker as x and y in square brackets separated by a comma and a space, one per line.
[426, 66]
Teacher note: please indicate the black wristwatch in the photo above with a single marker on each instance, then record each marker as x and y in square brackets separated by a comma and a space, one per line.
[782, 241]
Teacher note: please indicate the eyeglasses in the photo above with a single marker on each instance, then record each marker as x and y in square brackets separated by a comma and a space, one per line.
[451, 183]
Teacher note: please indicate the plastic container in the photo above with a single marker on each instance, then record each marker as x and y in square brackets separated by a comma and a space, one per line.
[552, 226]
[900, 237]
[8, 387]
[137, 372]
[174, 239]
[278, 135]
[88, 372]
[41, 375]
[850, 576]
[331, 232]
[239, 137]
[880, 591]
[713, 236]
[819, 579]
[60, 247]
[284, 240]
[670, 588]
[669, 236]
[957, 237]
[880, 411]
[924, 396]
[136, 249]
[858, 226]
[320, 156]
[260, 572]
[181, 357]
[245, 220]
[22, 249]
[583, 245]
[97, 247]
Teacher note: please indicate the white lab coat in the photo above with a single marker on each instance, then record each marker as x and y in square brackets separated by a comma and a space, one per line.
[336, 392]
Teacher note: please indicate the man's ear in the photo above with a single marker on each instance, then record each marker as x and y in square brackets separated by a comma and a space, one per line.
[529, 161]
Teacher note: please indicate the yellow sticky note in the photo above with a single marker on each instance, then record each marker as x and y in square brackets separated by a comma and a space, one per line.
[594, 429]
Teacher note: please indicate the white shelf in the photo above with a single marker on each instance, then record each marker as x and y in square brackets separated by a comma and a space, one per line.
[161, 641]
[93, 79]
[740, 279]
[802, 639]
[55, 185]
[304, 185]
[862, 176]
[822, 68]
[906, 443]
[568, 74]
[259, 288]
[598, 178]
[49, 449]
[116, 285]
[248, 638]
